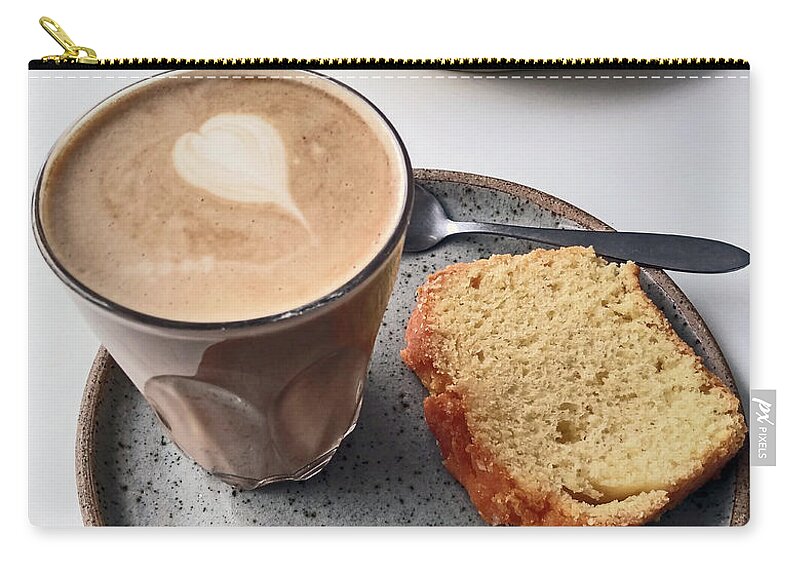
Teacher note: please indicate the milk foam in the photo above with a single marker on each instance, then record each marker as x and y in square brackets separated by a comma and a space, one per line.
[189, 200]
[237, 157]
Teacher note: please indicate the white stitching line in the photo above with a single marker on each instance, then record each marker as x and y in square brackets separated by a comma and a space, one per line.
[363, 77]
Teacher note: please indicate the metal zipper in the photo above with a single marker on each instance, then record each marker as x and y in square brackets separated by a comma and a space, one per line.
[76, 57]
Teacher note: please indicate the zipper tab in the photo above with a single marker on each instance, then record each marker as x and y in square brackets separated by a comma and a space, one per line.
[72, 52]
[75, 54]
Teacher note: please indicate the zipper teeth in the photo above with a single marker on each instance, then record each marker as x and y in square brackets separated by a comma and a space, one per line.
[451, 63]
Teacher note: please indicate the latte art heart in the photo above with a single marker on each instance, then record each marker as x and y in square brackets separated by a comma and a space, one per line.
[237, 157]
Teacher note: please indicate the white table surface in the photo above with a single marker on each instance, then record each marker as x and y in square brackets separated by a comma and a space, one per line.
[656, 151]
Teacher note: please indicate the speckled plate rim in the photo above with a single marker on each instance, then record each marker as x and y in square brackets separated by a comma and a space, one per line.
[85, 448]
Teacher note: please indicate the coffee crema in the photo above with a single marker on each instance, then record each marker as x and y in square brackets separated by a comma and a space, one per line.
[217, 200]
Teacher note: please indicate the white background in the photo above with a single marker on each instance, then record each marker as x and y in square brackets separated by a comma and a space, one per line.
[428, 30]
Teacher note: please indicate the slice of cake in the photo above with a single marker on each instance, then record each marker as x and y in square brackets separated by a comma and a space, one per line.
[560, 395]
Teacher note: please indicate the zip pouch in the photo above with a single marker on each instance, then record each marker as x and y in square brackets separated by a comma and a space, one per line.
[381, 292]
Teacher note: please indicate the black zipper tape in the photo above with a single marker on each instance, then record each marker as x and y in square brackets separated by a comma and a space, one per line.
[471, 64]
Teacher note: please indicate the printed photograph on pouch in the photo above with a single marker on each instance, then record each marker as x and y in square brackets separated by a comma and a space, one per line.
[352, 293]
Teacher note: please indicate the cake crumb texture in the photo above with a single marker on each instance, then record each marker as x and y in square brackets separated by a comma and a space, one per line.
[561, 395]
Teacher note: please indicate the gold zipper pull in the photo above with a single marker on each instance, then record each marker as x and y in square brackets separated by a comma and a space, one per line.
[72, 53]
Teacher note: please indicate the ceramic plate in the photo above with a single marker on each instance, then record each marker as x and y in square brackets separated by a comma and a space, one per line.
[388, 471]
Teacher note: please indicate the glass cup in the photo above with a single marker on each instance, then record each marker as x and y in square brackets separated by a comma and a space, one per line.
[265, 399]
